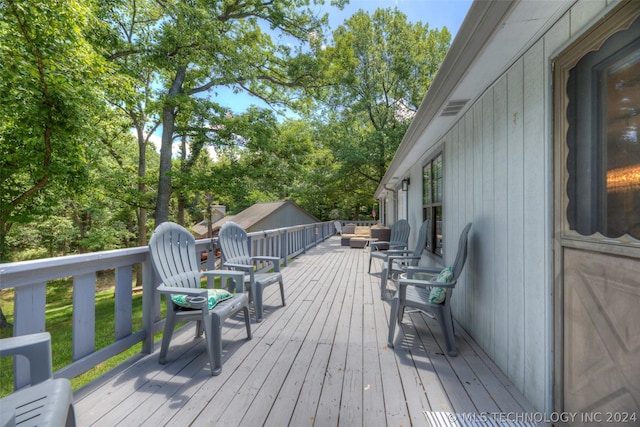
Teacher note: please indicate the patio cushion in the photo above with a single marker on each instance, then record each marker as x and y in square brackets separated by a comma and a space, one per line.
[215, 296]
[438, 294]
[349, 229]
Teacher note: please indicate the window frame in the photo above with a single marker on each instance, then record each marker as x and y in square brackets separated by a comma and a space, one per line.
[618, 20]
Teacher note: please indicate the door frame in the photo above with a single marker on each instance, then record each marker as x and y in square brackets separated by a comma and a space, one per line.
[618, 19]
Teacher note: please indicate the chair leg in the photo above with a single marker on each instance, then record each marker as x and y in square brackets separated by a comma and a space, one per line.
[169, 325]
[213, 330]
[392, 321]
[247, 320]
[282, 292]
[446, 325]
[257, 302]
[383, 283]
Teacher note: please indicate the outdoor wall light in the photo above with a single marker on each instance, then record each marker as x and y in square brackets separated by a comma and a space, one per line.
[405, 184]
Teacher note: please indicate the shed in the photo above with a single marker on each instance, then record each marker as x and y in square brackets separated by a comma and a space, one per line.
[269, 215]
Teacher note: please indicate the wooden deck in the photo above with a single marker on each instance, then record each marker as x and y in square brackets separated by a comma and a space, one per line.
[320, 360]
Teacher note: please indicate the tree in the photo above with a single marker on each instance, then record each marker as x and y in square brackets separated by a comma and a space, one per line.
[125, 30]
[50, 80]
[202, 45]
[379, 68]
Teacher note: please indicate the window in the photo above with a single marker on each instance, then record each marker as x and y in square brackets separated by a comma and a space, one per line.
[603, 116]
[432, 202]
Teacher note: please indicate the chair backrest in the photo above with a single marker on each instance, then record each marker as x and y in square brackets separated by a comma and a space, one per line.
[338, 226]
[234, 244]
[422, 238]
[400, 232]
[461, 256]
[173, 255]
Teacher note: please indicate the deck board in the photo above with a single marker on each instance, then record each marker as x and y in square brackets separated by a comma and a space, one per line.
[320, 360]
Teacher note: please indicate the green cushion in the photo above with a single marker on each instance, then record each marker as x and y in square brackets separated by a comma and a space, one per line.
[215, 296]
[438, 294]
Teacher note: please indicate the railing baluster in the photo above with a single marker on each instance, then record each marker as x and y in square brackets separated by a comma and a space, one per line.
[84, 315]
[30, 297]
[29, 317]
[123, 301]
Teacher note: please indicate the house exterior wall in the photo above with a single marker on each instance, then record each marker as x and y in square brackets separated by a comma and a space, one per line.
[498, 175]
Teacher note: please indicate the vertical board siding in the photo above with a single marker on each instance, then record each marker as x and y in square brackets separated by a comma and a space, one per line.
[536, 211]
[467, 212]
[515, 223]
[498, 174]
[451, 205]
[485, 225]
[495, 177]
[500, 234]
[583, 12]
[479, 311]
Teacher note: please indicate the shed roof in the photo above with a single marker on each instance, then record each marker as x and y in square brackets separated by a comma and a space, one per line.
[256, 213]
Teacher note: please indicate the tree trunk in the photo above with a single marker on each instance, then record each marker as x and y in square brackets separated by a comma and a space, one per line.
[141, 212]
[168, 126]
[3, 321]
[183, 167]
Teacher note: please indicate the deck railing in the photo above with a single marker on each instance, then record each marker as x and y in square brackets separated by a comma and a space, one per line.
[29, 280]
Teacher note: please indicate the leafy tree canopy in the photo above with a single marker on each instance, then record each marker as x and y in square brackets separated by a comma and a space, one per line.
[379, 68]
[51, 84]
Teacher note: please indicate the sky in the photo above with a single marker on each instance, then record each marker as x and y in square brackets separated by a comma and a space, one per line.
[436, 13]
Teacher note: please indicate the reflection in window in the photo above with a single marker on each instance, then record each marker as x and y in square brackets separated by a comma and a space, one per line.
[604, 149]
[621, 113]
[432, 203]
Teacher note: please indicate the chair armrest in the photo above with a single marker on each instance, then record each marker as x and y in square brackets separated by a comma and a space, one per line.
[399, 259]
[274, 259]
[236, 276]
[49, 403]
[394, 252]
[36, 348]
[423, 269]
[266, 258]
[403, 257]
[374, 245]
[426, 283]
[174, 290]
[397, 245]
[248, 269]
[243, 267]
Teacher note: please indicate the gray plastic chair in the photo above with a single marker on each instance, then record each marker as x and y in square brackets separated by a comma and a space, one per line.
[174, 258]
[338, 227]
[414, 293]
[47, 401]
[399, 259]
[236, 254]
[398, 240]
